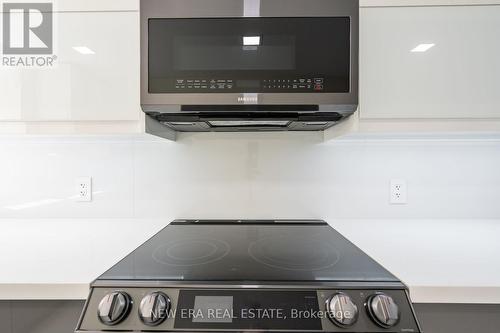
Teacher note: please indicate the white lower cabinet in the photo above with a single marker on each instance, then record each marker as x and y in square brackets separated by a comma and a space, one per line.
[457, 77]
[95, 76]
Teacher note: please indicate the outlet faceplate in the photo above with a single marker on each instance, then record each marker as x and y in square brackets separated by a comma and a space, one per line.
[398, 191]
[83, 188]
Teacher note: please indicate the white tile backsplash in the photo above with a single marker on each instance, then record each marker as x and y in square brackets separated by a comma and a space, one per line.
[264, 175]
[38, 178]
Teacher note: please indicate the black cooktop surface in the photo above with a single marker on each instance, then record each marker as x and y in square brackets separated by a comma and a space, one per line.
[208, 250]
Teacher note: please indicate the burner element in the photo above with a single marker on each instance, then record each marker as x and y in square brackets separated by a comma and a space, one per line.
[305, 255]
[191, 252]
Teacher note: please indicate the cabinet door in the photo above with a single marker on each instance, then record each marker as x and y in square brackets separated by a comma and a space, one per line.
[95, 76]
[458, 77]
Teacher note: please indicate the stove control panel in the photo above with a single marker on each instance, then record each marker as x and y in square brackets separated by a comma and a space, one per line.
[158, 308]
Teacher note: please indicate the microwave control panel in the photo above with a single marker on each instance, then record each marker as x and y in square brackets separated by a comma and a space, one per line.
[305, 84]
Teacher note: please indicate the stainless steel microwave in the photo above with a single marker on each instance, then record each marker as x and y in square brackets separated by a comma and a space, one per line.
[226, 65]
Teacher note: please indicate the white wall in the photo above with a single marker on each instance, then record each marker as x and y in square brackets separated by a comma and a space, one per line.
[54, 246]
[224, 175]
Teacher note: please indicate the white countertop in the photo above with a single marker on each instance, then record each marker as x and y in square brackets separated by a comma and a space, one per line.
[442, 261]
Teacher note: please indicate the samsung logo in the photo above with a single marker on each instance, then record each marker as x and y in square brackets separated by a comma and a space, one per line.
[248, 99]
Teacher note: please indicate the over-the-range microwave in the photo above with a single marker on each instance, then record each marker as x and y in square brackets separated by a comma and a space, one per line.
[239, 65]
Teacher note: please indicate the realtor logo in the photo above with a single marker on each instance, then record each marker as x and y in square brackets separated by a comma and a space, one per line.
[27, 37]
[27, 28]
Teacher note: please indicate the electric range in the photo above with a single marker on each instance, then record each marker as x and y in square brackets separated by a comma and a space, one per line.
[236, 276]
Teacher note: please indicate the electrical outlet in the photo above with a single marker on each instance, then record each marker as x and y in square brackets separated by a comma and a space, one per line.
[398, 191]
[83, 189]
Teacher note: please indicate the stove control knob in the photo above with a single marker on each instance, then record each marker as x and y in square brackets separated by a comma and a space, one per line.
[114, 307]
[154, 308]
[342, 310]
[383, 310]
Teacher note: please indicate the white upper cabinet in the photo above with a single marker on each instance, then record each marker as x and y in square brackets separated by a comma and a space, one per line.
[430, 62]
[95, 76]
[96, 5]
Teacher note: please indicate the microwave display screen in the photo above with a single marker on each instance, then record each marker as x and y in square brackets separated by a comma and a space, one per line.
[222, 53]
[249, 55]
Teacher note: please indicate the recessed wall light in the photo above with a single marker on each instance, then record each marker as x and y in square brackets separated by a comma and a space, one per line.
[83, 50]
[422, 47]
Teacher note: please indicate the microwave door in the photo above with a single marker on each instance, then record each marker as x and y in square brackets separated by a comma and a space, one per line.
[273, 55]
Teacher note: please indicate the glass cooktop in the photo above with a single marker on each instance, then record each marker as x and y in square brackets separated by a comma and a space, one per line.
[198, 250]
